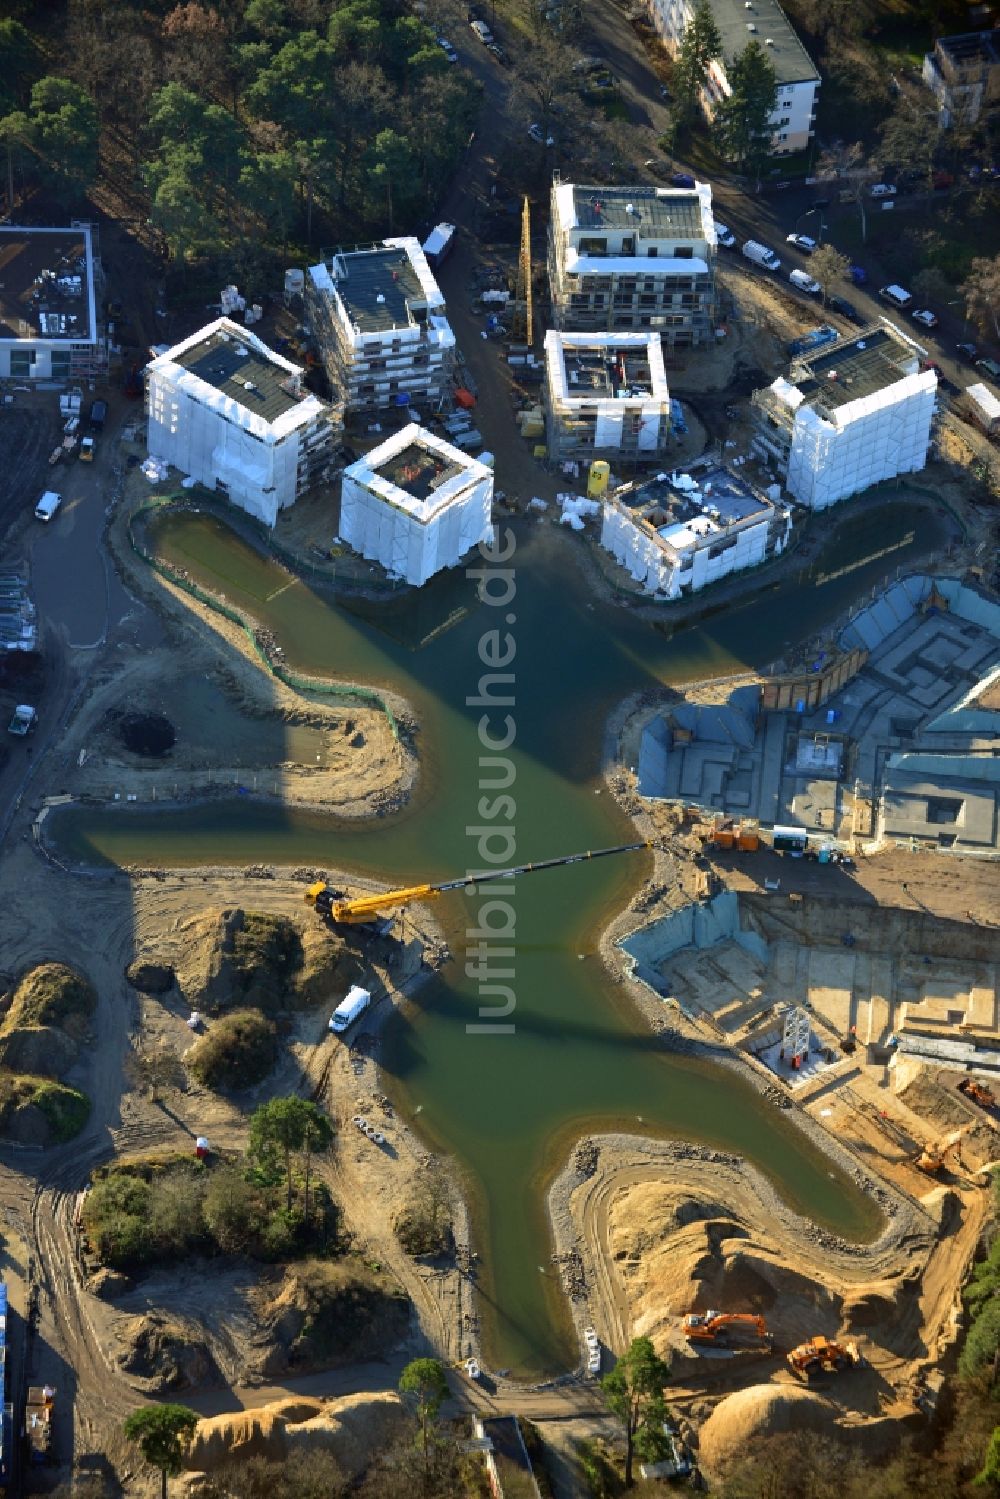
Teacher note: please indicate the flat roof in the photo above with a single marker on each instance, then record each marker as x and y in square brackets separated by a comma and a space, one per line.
[46, 284]
[590, 367]
[230, 364]
[686, 512]
[788, 57]
[854, 368]
[418, 472]
[675, 212]
[971, 46]
[377, 287]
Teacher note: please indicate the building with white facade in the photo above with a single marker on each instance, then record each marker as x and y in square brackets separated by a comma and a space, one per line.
[380, 322]
[679, 532]
[606, 396]
[225, 409]
[963, 73]
[739, 22]
[847, 417]
[416, 504]
[633, 257]
[51, 289]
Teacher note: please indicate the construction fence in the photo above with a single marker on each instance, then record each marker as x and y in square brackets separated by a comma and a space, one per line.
[340, 691]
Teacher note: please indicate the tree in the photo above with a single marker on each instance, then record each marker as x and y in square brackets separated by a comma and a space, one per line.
[162, 1432]
[827, 265]
[910, 140]
[982, 294]
[931, 284]
[317, 1137]
[634, 1392]
[700, 45]
[743, 127]
[287, 1124]
[989, 1473]
[847, 163]
[64, 135]
[425, 1388]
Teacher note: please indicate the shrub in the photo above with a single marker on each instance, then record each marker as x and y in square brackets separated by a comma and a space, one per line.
[232, 1209]
[66, 1109]
[51, 994]
[238, 1051]
[115, 1219]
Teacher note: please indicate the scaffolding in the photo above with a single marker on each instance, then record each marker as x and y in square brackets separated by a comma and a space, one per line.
[795, 1037]
[523, 315]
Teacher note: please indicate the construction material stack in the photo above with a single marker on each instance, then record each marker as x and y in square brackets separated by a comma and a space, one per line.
[6, 1408]
[38, 1412]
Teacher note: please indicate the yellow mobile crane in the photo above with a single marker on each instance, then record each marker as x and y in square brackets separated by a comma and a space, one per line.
[337, 909]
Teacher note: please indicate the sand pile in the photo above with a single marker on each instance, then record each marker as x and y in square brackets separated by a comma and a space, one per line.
[761, 1410]
[236, 958]
[351, 1429]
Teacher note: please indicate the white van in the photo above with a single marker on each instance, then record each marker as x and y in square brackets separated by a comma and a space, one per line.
[354, 1003]
[898, 296]
[48, 505]
[483, 32]
[761, 255]
[468, 440]
[805, 282]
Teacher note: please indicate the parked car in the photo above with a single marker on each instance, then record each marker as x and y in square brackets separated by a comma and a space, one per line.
[474, 13]
[682, 179]
[941, 180]
[535, 131]
[858, 274]
[587, 65]
[882, 190]
[725, 236]
[989, 367]
[924, 317]
[820, 203]
[846, 309]
[896, 296]
[482, 31]
[802, 242]
[447, 48]
[968, 352]
[805, 283]
[499, 54]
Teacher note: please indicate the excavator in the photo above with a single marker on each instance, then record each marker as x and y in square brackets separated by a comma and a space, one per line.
[978, 1092]
[337, 909]
[821, 1355]
[934, 1157]
[712, 1328]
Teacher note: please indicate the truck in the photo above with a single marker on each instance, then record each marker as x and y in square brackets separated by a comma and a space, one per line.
[24, 720]
[761, 255]
[353, 1005]
[981, 407]
[98, 415]
[87, 446]
[437, 246]
[817, 338]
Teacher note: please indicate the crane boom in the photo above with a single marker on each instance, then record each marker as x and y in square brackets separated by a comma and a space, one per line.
[332, 904]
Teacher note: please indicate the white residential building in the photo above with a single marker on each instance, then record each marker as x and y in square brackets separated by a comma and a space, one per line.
[380, 321]
[606, 396]
[416, 504]
[225, 409]
[633, 257]
[740, 22]
[677, 533]
[847, 417]
[50, 297]
[963, 73]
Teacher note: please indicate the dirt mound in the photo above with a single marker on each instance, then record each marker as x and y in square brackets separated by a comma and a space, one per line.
[328, 1312]
[167, 1355]
[53, 994]
[761, 1411]
[41, 1049]
[237, 1051]
[234, 958]
[351, 1429]
[147, 734]
[150, 978]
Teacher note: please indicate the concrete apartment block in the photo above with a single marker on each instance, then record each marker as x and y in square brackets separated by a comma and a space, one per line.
[51, 287]
[606, 396]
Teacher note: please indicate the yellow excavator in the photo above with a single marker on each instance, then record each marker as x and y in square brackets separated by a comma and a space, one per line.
[822, 1356]
[338, 910]
[934, 1158]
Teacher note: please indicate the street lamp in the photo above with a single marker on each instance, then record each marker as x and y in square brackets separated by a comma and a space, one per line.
[808, 213]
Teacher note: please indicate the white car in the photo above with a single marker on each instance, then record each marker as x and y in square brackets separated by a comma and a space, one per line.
[535, 131]
[805, 283]
[725, 236]
[447, 48]
[924, 316]
[882, 190]
[802, 242]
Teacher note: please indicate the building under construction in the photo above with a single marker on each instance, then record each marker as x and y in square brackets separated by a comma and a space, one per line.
[606, 396]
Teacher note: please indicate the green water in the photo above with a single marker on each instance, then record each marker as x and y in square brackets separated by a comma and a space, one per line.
[507, 1105]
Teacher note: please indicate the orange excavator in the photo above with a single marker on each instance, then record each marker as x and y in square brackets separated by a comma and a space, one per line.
[978, 1092]
[713, 1328]
[822, 1356]
[934, 1158]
